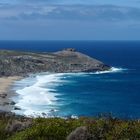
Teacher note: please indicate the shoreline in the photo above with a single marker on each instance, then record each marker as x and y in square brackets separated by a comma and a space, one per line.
[6, 104]
[6, 92]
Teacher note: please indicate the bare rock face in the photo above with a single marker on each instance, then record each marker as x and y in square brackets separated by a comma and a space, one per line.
[80, 133]
[18, 125]
[22, 63]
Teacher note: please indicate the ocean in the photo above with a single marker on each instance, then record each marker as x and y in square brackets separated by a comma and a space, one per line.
[82, 94]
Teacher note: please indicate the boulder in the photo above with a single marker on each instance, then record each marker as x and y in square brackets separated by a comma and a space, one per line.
[16, 125]
[80, 133]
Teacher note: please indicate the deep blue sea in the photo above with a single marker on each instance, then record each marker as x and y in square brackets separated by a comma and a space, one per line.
[83, 94]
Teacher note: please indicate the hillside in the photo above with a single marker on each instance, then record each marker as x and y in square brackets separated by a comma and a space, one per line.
[68, 60]
[102, 128]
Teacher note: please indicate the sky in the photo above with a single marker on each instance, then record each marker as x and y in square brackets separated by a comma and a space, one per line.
[69, 20]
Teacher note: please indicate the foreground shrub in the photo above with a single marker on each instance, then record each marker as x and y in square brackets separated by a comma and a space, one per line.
[70, 129]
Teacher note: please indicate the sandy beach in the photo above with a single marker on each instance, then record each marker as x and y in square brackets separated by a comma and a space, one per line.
[6, 82]
[5, 94]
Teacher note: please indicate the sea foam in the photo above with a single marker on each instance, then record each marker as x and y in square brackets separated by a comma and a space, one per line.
[38, 94]
[39, 97]
[112, 70]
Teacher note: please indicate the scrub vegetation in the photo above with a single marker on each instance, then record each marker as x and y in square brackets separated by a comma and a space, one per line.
[101, 128]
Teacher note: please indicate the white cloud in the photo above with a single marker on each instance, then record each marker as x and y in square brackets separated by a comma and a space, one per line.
[101, 13]
[69, 22]
[134, 3]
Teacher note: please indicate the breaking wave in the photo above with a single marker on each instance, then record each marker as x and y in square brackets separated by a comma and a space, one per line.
[40, 97]
[38, 93]
[112, 70]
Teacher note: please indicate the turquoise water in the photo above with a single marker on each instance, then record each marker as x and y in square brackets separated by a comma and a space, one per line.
[83, 94]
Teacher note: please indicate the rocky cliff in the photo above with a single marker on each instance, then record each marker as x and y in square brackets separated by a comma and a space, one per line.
[68, 60]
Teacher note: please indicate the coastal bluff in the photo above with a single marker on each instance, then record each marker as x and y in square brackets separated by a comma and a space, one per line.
[68, 60]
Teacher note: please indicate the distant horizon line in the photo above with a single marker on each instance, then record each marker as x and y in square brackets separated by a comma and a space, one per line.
[73, 40]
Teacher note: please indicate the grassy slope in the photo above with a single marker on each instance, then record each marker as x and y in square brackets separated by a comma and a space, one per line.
[59, 129]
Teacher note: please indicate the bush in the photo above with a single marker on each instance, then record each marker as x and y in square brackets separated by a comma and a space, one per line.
[70, 129]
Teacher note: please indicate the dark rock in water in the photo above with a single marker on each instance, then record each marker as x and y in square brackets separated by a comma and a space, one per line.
[3, 95]
[22, 63]
[17, 108]
[12, 103]
[44, 114]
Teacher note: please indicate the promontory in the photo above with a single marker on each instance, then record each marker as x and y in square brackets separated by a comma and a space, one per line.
[68, 60]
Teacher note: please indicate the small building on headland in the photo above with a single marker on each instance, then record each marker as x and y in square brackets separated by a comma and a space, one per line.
[70, 49]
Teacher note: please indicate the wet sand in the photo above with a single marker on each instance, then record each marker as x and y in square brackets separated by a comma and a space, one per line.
[5, 83]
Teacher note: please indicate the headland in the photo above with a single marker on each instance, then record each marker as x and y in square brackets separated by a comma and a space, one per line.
[15, 65]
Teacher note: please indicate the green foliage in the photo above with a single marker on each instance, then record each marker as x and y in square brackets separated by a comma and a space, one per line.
[2, 129]
[43, 129]
[59, 129]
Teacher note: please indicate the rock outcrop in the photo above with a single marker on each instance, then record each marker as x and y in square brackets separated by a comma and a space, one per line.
[22, 63]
